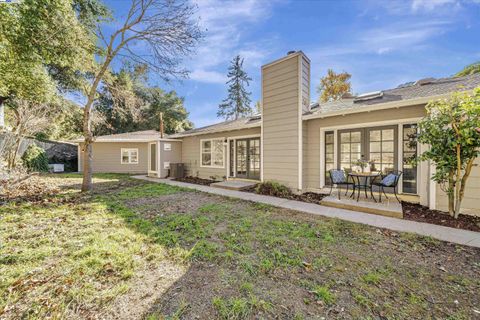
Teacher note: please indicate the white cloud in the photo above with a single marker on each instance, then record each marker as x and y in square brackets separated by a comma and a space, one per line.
[384, 50]
[400, 36]
[225, 22]
[208, 76]
[386, 39]
[415, 7]
[430, 5]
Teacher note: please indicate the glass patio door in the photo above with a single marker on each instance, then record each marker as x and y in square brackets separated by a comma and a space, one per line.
[247, 158]
[351, 148]
[254, 158]
[241, 159]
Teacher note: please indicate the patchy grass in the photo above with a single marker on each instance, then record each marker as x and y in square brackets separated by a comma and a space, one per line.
[239, 307]
[170, 253]
[324, 294]
[61, 259]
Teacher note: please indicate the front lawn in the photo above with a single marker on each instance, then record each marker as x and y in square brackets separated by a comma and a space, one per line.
[134, 250]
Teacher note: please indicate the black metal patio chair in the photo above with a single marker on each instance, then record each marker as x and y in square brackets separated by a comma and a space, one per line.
[389, 180]
[339, 178]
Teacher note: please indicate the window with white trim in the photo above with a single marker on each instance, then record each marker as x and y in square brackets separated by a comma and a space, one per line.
[129, 156]
[167, 147]
[212, 153]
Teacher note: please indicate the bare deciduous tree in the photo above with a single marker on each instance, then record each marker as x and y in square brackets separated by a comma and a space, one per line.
[28, 119]
[169, 32]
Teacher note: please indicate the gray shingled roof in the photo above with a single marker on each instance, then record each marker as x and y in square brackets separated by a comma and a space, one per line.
[242, 123]
[434, 87]
[137, 136]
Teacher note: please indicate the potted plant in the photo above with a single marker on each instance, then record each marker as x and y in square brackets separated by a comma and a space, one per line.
[362, 164]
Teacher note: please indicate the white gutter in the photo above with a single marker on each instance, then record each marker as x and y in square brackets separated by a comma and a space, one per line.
[129, 140]
[217, 131]
[376, 107]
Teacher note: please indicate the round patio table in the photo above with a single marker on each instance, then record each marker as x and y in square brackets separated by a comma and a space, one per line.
[361, 180]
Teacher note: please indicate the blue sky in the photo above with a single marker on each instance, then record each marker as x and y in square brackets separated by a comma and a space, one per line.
[381, 43]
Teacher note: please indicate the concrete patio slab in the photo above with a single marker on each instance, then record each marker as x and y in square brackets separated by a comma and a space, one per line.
[458, 236]
[234, 185]
[389, 208]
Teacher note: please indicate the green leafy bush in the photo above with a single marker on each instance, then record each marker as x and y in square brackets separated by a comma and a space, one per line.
[35, 159]
[272, 188]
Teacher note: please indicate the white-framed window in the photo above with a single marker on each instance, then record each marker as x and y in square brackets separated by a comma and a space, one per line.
[212, 153]
[167, 146]
[129, 155]
[166, 165]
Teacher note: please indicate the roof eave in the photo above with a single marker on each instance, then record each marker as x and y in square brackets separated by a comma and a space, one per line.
[219, 130]
[129, 140]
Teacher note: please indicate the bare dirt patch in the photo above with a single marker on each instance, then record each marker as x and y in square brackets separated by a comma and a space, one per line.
[151, 207]
[147, 287]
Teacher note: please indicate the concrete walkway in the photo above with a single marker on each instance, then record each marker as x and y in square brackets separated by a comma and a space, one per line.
[458, 236]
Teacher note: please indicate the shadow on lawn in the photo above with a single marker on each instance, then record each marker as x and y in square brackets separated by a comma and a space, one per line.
[244, 259]
[234, 259]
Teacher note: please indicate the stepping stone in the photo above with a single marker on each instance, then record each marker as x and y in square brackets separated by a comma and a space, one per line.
[389, 208]
[234, 185]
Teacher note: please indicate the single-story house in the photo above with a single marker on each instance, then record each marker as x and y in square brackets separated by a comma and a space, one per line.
[295, 142]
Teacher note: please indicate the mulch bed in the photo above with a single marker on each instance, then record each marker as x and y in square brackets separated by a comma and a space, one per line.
[196, 180]
[416, 212]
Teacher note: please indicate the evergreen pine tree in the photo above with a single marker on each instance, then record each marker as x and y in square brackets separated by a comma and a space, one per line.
[237, 104]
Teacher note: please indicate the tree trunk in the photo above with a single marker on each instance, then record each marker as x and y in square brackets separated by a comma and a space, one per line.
[87, 127]
[458, 175]
[87, 144]
[451, 194]
[18, 133]
[13, 156]
[87, 167]
[462, 184]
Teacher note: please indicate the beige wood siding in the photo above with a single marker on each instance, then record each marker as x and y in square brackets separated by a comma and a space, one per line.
[282, 85]
[191, 152]
[305, 84]
[471, 201]
[312, 173]
[107, 157]
[305, 107]
[305, 155]
[172, 156]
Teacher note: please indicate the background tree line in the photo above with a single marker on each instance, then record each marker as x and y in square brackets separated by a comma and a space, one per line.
[53, 49]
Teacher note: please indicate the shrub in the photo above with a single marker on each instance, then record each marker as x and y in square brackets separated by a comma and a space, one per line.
[272, 188]
[451, 129]
[35, 159]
